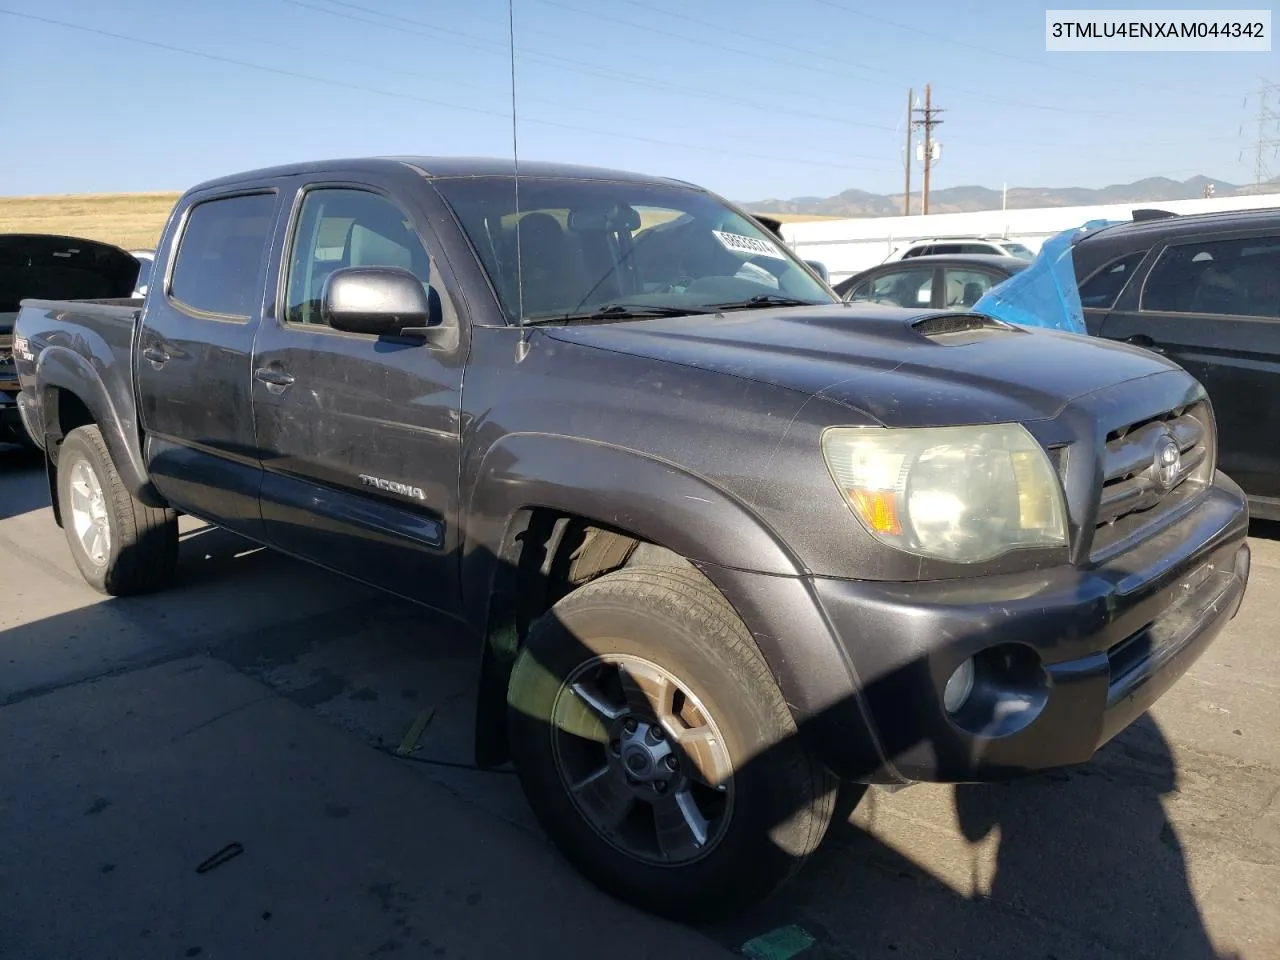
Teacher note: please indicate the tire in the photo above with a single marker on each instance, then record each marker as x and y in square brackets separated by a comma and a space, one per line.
[140, 550]
[777, 800]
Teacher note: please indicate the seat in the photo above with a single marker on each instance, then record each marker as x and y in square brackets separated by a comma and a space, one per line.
[547, 265]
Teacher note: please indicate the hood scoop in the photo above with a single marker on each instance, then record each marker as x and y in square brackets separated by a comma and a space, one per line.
[958, 329]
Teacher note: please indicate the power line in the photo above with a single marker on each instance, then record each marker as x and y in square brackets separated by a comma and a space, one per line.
[991, 51]
[611, 74]
[701, 130]
[311, 78]
[808, 52]
[826, 73]
[754, 54]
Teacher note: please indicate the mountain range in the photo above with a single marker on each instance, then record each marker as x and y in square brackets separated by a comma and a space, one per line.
[860, 203]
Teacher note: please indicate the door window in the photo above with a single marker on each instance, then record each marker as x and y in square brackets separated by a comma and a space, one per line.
[965, 287]
[903, 288]
[347, 228]
[219, 263]
[1102, 289]
[1239, 277]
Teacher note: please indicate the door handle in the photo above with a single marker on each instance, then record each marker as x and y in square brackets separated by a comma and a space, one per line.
[276, 380]
[155, 356]
[1145, 342]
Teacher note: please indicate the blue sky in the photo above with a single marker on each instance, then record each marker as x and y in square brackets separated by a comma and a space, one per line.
[752, 98]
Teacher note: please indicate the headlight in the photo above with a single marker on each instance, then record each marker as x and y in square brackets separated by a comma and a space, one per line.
[964, 494]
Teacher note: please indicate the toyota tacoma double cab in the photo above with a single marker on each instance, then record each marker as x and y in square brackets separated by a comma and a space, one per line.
[723, 540]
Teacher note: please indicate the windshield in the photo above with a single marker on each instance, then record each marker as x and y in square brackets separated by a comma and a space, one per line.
[1018, 250]
[588, 245]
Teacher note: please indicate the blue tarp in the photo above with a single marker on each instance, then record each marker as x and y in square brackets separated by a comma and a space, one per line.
[1044, 294]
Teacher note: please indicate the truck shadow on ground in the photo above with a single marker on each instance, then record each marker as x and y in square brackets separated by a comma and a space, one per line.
[1079, 862]
[1266, 529]
[1087, 863]
[22, 472]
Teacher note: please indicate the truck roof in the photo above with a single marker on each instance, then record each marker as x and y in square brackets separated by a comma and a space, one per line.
[442, 168]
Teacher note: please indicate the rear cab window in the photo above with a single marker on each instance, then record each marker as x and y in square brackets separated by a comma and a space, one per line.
[218, 268]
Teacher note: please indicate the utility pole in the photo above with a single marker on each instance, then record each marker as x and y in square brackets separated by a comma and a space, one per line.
[1268, 134]
[906, 187]
[927, 122]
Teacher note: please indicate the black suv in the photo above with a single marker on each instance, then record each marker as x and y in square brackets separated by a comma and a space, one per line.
[1204, 290]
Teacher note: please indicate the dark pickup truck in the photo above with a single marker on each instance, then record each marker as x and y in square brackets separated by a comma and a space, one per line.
[723, 540]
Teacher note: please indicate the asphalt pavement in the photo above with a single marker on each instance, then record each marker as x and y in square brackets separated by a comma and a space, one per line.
[267, 760]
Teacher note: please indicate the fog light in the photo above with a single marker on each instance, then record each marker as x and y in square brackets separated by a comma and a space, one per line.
[958, 687]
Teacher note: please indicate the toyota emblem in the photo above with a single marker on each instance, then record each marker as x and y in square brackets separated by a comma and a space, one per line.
[1168, 462]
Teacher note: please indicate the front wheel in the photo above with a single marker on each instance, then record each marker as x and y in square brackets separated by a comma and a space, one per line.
[656, 748]
[120, 544]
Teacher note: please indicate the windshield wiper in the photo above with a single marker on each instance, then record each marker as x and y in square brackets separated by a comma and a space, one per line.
[764, 300]
[615, 311]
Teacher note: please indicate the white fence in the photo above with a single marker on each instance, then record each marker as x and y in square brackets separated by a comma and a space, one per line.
[847, 246]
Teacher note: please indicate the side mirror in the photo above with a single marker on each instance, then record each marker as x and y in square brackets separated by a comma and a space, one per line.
[820, 269]
[383, 301]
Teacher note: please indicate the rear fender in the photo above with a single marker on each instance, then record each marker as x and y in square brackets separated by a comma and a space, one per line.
[62, 369]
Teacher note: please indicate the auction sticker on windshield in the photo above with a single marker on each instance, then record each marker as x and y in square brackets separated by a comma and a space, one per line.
[751, 246]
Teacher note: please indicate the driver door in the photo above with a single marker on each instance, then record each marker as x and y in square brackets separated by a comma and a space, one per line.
[359, 434]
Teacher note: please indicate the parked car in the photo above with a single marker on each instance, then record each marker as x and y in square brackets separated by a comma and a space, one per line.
[721, 538]
[949, 246]
[953, 282]
[1204, 290]
[54, 267]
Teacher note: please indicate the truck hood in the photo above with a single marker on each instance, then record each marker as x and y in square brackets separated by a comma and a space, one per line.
[43, 266]
[899, 367]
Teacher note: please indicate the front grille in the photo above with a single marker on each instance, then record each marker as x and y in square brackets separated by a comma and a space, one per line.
[7, 370]
[1138, 489]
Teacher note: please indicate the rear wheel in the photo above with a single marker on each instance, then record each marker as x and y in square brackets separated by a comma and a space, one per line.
[656, 749]
[120, 544]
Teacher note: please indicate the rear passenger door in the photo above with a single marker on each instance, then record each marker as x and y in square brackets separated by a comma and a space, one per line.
[191, 364]
[1213, 306]
[360, 435]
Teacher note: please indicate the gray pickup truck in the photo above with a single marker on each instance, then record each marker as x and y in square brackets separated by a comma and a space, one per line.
[723, 540]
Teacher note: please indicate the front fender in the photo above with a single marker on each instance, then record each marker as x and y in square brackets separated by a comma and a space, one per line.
[60, 368]
[687, 514]
[615, 487]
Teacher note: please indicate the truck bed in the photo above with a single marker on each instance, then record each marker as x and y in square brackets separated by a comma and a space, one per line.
[84, 347]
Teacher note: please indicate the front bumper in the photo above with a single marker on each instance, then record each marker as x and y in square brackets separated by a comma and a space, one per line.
[1071, 656]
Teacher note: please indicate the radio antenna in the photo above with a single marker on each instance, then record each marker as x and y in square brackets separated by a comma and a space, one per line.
[515, 161]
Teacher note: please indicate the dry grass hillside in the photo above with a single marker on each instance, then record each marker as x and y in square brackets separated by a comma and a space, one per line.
[129, 220]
